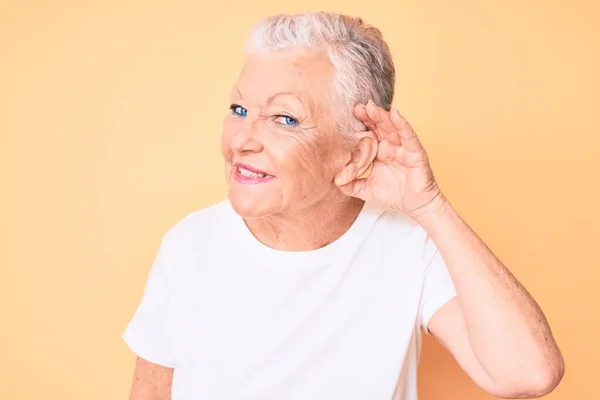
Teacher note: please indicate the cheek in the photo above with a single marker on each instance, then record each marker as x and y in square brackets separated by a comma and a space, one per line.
[303, 162]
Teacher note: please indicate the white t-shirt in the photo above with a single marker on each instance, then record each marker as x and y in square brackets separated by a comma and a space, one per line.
[239, 320]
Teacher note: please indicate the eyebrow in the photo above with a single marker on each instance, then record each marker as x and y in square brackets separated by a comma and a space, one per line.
[272, 97]
[238, 91]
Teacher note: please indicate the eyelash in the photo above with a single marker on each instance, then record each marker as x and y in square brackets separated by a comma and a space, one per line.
[295, 121]
[244, 113]
[233, 107]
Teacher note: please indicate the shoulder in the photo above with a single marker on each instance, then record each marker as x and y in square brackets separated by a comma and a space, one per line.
[397, 225]
[401, 232]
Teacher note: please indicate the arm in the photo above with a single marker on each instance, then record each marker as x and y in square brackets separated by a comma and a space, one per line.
[151, 381]
[493, 327]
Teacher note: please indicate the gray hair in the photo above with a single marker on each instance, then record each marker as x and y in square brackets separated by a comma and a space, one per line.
[363, 64]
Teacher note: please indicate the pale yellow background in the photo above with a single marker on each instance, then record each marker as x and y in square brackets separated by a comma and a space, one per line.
[110, 115]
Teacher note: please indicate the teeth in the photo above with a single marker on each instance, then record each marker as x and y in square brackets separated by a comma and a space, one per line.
[250, 174]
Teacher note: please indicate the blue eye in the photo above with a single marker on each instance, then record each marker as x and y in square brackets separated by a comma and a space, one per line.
[238, 110]
[287, 120]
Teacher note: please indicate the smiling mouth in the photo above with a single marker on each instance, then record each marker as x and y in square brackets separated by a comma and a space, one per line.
[250, 174]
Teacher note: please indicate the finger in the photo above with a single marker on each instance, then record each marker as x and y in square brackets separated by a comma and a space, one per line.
[360, 112]
[385, 128]
[408, 137]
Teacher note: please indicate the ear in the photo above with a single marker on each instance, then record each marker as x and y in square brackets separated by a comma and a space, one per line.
[361, 159]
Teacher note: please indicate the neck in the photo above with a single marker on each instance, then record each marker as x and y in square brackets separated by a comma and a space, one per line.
[308, 229]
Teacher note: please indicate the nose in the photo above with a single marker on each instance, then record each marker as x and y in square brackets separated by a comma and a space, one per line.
[246, 139]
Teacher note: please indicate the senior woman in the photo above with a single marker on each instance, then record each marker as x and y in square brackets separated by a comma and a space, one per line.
[334, 248]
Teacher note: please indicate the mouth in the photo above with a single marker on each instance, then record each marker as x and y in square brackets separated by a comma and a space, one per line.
[247, 174]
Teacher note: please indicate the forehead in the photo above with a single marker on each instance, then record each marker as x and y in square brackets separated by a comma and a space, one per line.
[306, 73]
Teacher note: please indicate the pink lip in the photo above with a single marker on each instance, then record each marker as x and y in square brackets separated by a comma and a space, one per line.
[249, 179]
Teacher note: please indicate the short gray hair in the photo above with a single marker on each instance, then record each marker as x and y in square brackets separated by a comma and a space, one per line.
[362, 60]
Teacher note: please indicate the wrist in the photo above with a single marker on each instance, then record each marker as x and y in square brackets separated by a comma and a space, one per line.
[439, 207]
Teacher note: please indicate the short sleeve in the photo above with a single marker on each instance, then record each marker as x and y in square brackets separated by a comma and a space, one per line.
[438, 289]
[148, 334]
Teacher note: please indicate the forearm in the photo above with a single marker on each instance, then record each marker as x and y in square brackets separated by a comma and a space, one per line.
[508, 332]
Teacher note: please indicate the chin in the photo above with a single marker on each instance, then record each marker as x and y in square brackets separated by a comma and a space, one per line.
[250, 207]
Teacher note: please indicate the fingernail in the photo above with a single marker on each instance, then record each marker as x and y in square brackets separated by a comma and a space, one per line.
[395, 109]
[371, 102]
